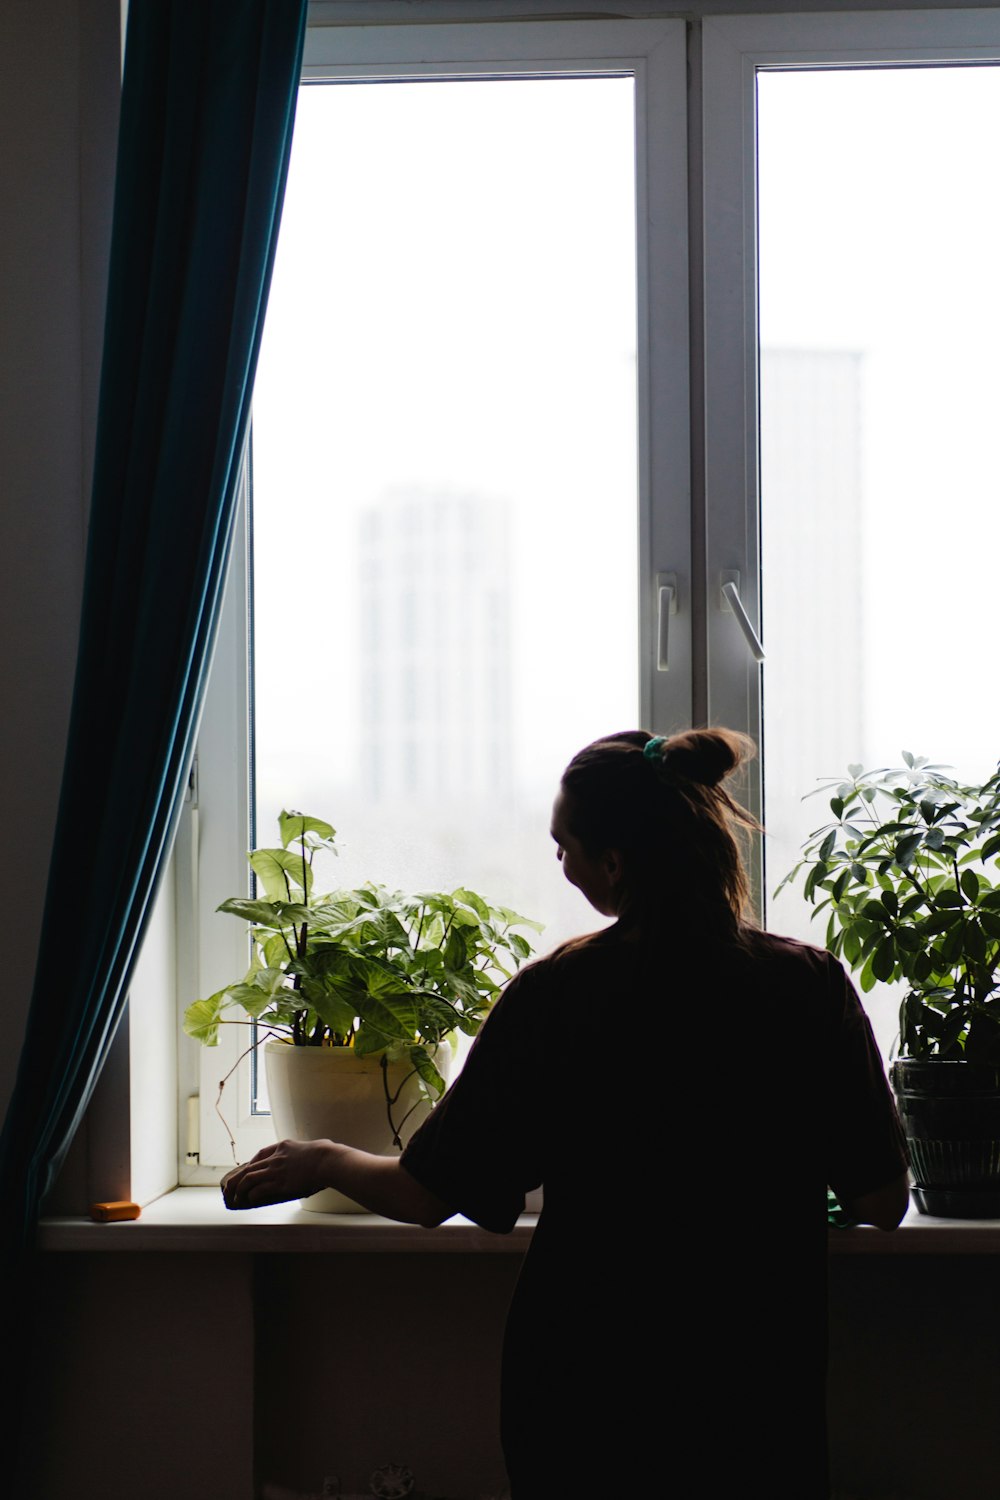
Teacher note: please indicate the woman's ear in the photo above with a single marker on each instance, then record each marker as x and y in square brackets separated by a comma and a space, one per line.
[613, 865]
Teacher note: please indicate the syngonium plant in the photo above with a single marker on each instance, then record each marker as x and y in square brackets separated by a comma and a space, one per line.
[371, 969]
[908, 874]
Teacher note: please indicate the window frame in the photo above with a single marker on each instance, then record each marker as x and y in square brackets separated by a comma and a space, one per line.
[734, 49]
[217, 821]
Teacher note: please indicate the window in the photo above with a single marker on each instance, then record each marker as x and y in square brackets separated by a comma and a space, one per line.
[848, 382]
[742, 396]
[449, 522]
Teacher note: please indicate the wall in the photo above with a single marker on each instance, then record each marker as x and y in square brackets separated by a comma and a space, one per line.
[56, 176]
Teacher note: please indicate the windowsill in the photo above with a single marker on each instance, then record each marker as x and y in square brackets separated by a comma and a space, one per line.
[195, 1219]
[919, 1234]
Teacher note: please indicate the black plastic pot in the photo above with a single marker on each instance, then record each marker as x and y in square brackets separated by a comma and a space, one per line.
[951, 1115]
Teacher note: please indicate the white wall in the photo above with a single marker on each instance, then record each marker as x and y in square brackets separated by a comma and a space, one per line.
[58, 105]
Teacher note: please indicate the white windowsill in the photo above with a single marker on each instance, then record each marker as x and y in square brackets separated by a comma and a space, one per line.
[919, 1234]
[195, 1219]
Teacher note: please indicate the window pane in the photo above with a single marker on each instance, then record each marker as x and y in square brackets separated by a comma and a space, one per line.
[879, 387]
[444, 476]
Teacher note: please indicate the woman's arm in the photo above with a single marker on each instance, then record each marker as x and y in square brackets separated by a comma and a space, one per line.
[294, 1169]
[885, 1206]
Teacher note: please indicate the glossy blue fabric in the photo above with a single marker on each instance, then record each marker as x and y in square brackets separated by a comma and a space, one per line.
[208, 104]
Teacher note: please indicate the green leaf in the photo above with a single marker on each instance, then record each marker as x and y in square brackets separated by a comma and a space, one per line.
[427, 1069]
[909, 939]
[974, 944]
[923, 967]
[256, 998]
[884, 960]
[275, 952]
[852, 946]
[867, 979]
[272, 914]
[906, 848]
[939, 921]
[201, 1019]
[336, 1012]
[469, 898]
[512, 919]
[293, 825]
[455, 949]
[394, 1017]
[970, 884]
[277, 870]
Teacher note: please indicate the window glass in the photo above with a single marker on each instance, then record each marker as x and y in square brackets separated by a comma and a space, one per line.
[444, 477]
[444, 474]
[878, 387]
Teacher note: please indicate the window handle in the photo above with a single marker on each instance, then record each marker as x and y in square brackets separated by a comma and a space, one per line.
[666, 593]
[732, 604]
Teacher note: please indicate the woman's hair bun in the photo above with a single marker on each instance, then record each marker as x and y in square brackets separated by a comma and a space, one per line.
[705, 756]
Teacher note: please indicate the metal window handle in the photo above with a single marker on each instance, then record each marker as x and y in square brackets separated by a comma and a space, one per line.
[733, 604]
[666, 594]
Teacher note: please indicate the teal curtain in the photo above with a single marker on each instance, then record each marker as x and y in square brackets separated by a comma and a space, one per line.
[208, 103]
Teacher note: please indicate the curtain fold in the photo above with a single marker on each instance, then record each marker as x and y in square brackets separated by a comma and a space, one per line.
[208, 104]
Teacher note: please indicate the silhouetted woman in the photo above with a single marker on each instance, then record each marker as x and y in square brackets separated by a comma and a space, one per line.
[685, 1087]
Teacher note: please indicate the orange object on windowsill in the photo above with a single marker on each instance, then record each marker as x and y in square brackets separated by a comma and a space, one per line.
[109, 1213]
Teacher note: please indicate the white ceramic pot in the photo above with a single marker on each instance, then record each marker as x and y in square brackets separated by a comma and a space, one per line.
[330, 1093]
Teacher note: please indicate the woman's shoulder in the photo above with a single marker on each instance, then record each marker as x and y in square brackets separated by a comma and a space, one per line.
[591, 951]
[773, 947]
[574, 965]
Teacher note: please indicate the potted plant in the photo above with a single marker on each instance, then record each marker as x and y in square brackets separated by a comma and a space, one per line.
[907, 874]
[364, 990]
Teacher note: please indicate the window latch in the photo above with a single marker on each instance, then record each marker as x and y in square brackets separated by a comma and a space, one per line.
[666, 595]
[732, 604]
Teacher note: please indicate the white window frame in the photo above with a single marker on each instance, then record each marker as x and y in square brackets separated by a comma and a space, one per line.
[733, 50]
[216, 822]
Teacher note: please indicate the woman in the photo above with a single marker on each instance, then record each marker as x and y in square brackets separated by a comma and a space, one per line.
[691, 1087]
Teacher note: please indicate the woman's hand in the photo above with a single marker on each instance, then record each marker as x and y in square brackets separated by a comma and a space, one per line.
[295, 1169]
[288, 1169]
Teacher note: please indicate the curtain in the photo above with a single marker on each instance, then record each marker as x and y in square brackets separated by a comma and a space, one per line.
[208, 103]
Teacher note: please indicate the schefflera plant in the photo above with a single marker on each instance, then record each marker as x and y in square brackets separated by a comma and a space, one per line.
[369, 968]
[907, 873]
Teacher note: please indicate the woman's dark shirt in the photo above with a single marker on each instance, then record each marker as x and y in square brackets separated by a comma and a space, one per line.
[685, 1113]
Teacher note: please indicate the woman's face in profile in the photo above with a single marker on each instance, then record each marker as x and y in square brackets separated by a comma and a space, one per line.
[595, 876]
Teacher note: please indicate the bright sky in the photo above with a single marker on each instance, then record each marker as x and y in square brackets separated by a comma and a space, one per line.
[881, 233]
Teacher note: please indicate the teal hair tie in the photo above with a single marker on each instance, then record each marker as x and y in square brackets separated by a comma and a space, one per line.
[651, 749]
